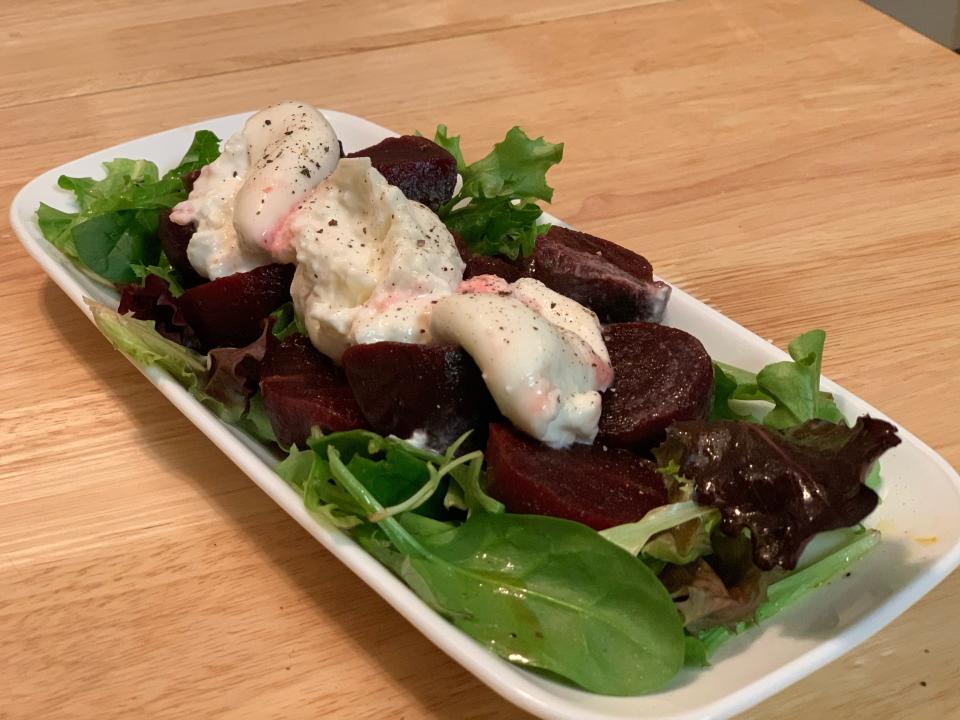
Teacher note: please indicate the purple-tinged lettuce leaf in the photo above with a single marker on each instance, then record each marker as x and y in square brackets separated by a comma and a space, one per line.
[235, 372]
[154, 301]
[784, 486]
[721, 590]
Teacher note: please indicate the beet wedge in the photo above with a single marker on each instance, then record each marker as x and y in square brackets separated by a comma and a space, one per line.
[403, 388]
[229, 311]
[174, 240]
[424, 171]
[661, 375]
[597, 486]
[616, 283]
[303, 389]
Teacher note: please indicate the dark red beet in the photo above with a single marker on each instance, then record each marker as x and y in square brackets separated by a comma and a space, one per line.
[614, 282]
[509, 270]
[174, 239]
[188, 179]
[227, 312]
[301, 389]
[661, 375]
[402, 388]
[424, 171]
[586, 483]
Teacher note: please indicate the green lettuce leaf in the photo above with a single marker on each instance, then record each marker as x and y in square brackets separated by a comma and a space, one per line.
[451, 145]
[507, 581]
[497, 226]
[112, 243]
[516, 167]
[791, 386]
[494, 212]
[139, 341]
[255, 421]
[643, 535]
[164, 270]
[785, 592]
[794, 386]
[204, 149]
[286, 322]
[115, 227]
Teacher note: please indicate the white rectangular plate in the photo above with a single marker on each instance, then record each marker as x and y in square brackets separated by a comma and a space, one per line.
[921, 502]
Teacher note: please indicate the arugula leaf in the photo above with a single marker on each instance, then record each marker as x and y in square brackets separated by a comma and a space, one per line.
[506, 580]
[303, 470]
[516, 167]
[497, 226]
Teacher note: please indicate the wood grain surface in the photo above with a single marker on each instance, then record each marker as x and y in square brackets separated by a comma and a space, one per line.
[792, 162]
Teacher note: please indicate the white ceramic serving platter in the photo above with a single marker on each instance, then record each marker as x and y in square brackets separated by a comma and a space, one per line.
[919, 516]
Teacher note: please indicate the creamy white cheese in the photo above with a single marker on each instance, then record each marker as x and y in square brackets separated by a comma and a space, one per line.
[541, 354]
[242, 198]
[293, 148]
[214, 250]
[370, 262]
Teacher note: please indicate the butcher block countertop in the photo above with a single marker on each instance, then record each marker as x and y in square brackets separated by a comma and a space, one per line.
[794, 163]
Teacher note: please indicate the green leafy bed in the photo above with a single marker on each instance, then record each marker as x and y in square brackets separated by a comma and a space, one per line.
[551, 595]
[548, 594]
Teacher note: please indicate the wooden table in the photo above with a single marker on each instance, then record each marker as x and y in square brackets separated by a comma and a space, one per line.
[793, 162]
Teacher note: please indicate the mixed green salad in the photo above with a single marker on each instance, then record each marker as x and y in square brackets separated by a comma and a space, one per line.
[618, 611]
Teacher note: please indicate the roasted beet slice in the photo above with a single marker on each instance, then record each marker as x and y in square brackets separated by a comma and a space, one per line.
[174, 239]
[424, 171]
[591, 484]
[614, 282]
[301, 389]
[661, 375]
[228, 312]
[509, 270]
[402, 388]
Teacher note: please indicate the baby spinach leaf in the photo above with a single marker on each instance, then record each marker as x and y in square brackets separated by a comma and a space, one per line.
[542, 592]
[112, 243]
[115, 226]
